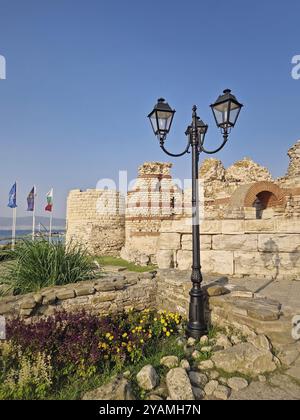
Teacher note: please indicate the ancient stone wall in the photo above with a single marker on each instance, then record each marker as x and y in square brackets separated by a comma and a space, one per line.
[96, 219]
[165, 290]
[153, 199]
[111, 294]
[237, 247]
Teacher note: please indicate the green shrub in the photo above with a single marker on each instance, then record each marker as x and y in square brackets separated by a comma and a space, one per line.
[24, 376]
[39, 264]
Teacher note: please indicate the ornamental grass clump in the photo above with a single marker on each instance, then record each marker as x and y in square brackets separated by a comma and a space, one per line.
[38, 264]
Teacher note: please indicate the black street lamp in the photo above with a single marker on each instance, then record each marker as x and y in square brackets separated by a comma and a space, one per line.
[226, 110]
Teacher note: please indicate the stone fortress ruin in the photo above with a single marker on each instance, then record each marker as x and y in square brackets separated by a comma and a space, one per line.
[249, 225]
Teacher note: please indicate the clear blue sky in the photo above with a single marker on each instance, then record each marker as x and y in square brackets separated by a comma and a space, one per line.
[82, 76]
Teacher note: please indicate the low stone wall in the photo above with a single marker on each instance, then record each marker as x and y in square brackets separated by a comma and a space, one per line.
[255, 247]
[110, 294]
[226, 305]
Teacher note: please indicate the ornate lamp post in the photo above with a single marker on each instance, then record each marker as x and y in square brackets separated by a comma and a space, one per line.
[226, 110]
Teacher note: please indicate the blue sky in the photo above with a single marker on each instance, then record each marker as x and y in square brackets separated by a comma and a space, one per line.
[82, 76]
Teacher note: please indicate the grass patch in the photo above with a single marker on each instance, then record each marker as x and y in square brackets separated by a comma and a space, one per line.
[34, 265]
[119, 262]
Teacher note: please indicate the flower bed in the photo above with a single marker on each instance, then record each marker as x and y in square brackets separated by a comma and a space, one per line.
[41, 358]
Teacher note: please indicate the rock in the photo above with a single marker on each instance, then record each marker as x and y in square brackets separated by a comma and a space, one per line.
[154, 397]
[213, 374]
[217, 348]
[165, 258]
[181, 342]
[198, 379]
[246, 171]
[222, 380]
[84, 290]
[289, 355]
[199, 394]
[38, 298]
[127, 374]
[212, 170]
[185, 365]
[28, 303]
[161, 391]
[196, 354]
[223, 341]
[222, 392]
[204, 340]
[169, 361]
[237, 383]
[205, 365]
[65, 294]
[210, 387]
[147, 378]
[294, 371]
[179, 385]
[260, 342]
[285, 390]
[118, 389]
[245, 358]
[235, 340]
[217, 290]
[191, 342]
[262, 378]
[206, 349]
[246, 294]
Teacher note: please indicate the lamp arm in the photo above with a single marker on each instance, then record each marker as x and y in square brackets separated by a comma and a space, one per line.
[162, 141]
[211, 152]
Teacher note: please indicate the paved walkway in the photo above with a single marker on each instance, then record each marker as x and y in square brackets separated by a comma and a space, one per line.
[287, 292]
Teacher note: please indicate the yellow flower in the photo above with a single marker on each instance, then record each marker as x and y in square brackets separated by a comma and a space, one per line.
[141, 341]
[111, 338]
[155, 319]
[107, 335]
[168, 333]
[124, 335]
[164, 329]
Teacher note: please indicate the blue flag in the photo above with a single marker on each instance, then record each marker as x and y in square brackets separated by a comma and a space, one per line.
[12, 197]
[30, 200]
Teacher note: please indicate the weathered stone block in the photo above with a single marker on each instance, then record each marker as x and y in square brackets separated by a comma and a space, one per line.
[169, 241]
[83, 290]
[245, 242]
[65, 294]
[233, 226]
[279, 242]
[259, 225]
[211, 226]
[186, 242]
[184, 260]
[103, 297]
[165, 258]
[217, 262]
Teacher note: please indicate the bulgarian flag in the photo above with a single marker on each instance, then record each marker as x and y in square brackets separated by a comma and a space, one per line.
[49, 200]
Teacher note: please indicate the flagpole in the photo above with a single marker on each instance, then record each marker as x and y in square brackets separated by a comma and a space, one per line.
[14, 228]
[50, 222]
[50, 227]
[33, 214]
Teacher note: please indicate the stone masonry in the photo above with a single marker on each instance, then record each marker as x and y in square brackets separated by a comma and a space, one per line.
[96, 220]
[249, 222]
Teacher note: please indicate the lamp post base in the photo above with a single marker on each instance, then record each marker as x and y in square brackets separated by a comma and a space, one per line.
[196, 327]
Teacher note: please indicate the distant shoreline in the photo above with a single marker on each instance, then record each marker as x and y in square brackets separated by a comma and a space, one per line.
[25, 228]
